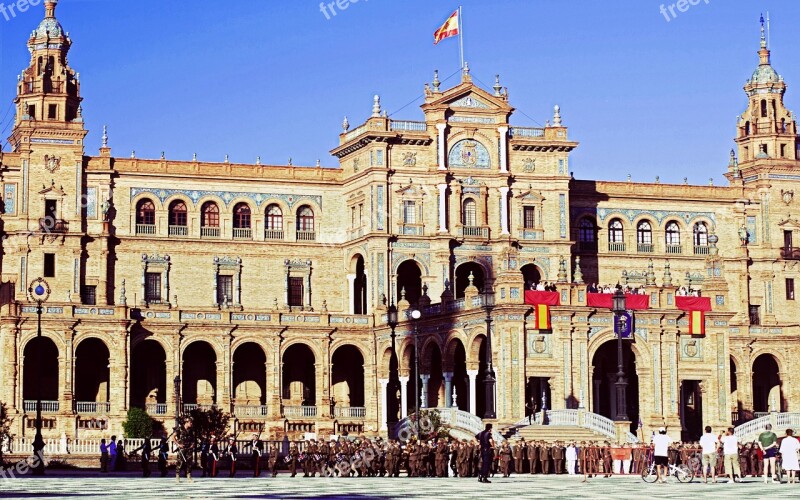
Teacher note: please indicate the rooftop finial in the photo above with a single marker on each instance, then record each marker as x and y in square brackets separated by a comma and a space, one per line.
[345, 125]
[105, 136]
[465, 73]
[376, 106]
[258, 160]
[50, 8]
[763, 33]
[436, 81]
[557, 116]
[497, 88]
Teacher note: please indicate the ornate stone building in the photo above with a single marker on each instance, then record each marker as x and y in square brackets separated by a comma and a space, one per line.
[265, 287]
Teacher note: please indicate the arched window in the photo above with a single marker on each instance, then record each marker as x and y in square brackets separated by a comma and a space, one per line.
[210, 214]
[700, 234]
[241, 216]
[644, 233]
[145, 212]
[747, 128]
[274, 218]
[177, 213]
[615, 231]
[305, 219]
[469, 213]
[672, 234]
[586, 231]
[763, 108]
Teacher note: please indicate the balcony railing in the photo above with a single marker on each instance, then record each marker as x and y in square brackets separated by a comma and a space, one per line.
[178, 230]
[614, 246]
[187, 407]
[407, 126]
[526, 132]
[47, 406]
[473, 231]
[790, 253]
[92, 407]
[272, 234]
[644, 247]
[156, 408]
[145, 229]
[349, 411]
[209, 232]
[51, 225]
[250, 410]
[242, 233]
[674, 249]
[299, 411]
[306, 236]
[587, 246]
[701, 250]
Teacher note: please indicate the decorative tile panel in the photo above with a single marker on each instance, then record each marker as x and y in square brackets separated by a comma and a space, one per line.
[10, 199]
[469, 153]
[227, 196]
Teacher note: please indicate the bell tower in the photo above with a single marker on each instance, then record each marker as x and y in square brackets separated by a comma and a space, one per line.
[48, 100]
[766, 130]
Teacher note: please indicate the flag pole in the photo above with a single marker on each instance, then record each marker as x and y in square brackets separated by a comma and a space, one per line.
[460, 37]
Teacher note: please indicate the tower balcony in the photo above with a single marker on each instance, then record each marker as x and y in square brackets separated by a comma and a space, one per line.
[790, 253]
[51, 225]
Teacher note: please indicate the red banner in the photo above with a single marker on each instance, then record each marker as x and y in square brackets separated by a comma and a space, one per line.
[685, 303]
[533, 297]
[604, 300]
[542, 317]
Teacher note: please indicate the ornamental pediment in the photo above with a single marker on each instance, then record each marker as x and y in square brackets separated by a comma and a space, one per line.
[52, 190]
[790, 224]
[530, 196]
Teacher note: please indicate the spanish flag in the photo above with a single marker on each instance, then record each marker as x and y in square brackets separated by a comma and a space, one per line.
[448, 29]
[697, 323]
[542, 317]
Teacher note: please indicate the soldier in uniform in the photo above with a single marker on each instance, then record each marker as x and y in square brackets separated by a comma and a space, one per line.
[390, 458]
[308, 463]
[163, 450]
[232, 453]
[544, 457]
[533, 456]
[744, 460]
[440, 458]
[518, 451]
[258, 448]
[273, 460]
[147, 450]
[505, 459]
[213, 457]
[558, 457]
[204, 447]
[607, 459]
[293, 454]
[324, 451]
[184, 438]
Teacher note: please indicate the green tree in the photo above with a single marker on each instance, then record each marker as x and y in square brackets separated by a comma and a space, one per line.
[5, 429]
[138, 424]
[207, 423]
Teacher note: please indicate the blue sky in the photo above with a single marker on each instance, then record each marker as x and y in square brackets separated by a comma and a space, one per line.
[642, 95]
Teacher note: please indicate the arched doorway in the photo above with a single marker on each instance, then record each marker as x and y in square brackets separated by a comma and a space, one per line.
[409, 279]
[605, 375]
[359, 297]
[766, 385]
[531, 275]
[92, 372]
[199, 374]
[734, 393]
[249, 376]
[148, 375]
[40, 370]
[478, 353]
[347, 378]
[410, 368]
[458, 366]
[463, 273]
[299, 376]
[432, 366]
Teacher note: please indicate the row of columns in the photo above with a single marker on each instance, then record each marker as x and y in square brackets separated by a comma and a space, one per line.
[504, 190]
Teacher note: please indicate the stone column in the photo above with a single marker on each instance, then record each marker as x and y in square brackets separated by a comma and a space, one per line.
[473, 375]
[403, 397]
[384, 413]
[504, 210]
[442, 207]
[351, 280]
[441, 150]
[423, 393]
[503, 149]
[448, 389]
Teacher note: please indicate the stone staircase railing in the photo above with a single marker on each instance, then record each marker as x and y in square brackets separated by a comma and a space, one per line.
[463, 423]
[749, 431]
[577, 418]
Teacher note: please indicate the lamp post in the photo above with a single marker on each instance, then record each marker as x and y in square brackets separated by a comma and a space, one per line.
[415, 315]
[618, 306]
[39, 292]
[394, 376]
[177, 388]
[489, 379]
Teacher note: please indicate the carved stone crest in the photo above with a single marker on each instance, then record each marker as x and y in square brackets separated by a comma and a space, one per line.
[409, 159]
[528, 165]
[355, 164]
[51, 163]
[691, 349]
[469, 153]
[539, 344]
[787, 196]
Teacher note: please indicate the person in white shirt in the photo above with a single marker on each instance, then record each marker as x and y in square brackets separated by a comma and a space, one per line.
[572, 458]
[661, 444]
[789, 447]
[709, 444]
[730, 453]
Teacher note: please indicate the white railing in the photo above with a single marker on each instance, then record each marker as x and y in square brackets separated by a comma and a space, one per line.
[562, 417]
[272, 234]
[47, 406]
[644, 248]
[526, 132]
[701, 250]
[578, 418]
[674, 249]
[599, 424]
[408, 125]
[187, 407]
[250, 410]
[306, 236]
[209, 232]
[349, 411]
[76, 447]
[242, 233]
[178, 230]
[156, 408]
[299, 411]
[145, 229]
[92, 407]
[748, 431]
[464, 422]
[355, 132]
[616, 247]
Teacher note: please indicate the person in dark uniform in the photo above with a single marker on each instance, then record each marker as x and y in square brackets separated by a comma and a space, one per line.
[273, 460]
[204, 446]
[487, 452]
[163, 451]
[518, 453]
[293, 455]
[440, 458]
[146, 450]
[544, 457]
[505, 459]
[232, 454]
[213, 457]
[185, 440]
[557, 454]
[258, 448]
[533, 456]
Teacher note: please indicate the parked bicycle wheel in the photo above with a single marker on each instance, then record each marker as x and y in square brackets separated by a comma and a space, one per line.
[684, 473]
[649, 474]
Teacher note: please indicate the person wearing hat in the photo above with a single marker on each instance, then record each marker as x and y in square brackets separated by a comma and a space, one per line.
[661, 443]
[232, 453]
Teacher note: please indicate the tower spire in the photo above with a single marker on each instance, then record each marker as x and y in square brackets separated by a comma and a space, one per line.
[763, 54]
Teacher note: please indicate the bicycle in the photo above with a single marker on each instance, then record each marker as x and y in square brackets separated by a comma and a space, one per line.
[682, 472]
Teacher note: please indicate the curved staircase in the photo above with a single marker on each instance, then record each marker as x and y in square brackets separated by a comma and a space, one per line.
[566, 425]
[749, 431]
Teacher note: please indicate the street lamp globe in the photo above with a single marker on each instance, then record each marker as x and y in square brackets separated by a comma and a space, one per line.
[415, 314]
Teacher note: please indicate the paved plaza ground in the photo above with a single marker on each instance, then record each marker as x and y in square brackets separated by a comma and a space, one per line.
[82, 485]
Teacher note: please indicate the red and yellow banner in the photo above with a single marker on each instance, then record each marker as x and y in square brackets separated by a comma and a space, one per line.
[448, 29]
[542, 316]
[696, 308]
[697, 323]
